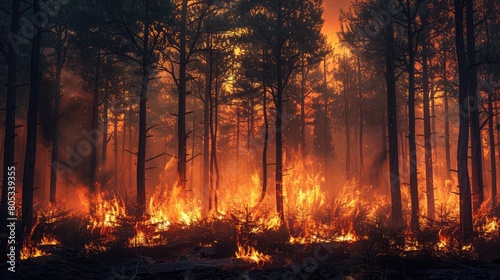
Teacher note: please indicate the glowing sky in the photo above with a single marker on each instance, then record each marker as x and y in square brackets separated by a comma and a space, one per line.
[331, 15]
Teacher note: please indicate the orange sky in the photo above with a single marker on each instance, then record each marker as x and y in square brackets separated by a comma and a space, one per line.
[331, 15]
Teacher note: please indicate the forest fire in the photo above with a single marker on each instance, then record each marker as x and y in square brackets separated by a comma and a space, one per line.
[245, 139]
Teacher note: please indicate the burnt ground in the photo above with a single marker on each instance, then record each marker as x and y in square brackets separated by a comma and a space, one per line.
[186, 260]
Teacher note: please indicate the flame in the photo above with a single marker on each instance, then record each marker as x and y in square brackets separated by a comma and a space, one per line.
[31, 252]
[250, 254]
[491, 226]
[49, 241]
[444, 240]
[107, 212]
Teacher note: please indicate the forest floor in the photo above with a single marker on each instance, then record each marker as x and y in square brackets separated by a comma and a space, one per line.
[187, 260]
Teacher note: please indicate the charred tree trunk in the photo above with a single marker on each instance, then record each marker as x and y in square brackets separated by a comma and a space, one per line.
[326, 129]
[498, 139]
[193, 139]
[447, 144]
[429, 175]
[279, 120]
[238, 117]
[121, 167]
[94, 126]
[30, 156]
[475, 130]
[115, 151]
[397, 211]
[411, 122]
[57, 109]
[251, 122]
[181, 117]
[105, 128]
[264, 150]
[10, 131]
[491, 134]
[214, 167]
[361, 123]
[131, 147]
[302, 107]
[347, 124]
[463, 137]
[141, 151]
[207, 117]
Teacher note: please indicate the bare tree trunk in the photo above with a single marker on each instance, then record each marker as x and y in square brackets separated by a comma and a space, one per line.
[279, 121]
[397, 211]
[325, 128]
[347, 124]
[30, 156]
[264, 150]
[429, 175]
[193, 139]
[361, 122]
[491, 134]
[131, 147]
[105, 128]
[141, 151]
[498, 139]
[207, 117]
[435, 154]
[120, 168]
[475, 130]
[302, 107]
[57, 109]
[115, 151]
[214, 167]
[10, 132]
[181, 117]
[463, 137]
[94, 126]
[411, 119]
[251, 121]
[447, 144]
[237, 144]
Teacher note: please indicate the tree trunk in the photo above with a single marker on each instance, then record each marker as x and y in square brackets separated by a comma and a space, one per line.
[237, 144]
[447, 144]
[214, 167]
[463, 137]
[279, 119]
[429, 175]
[55, 130]
[302, 108]
[411, 119]
[347, 124]
[498, 139]
[181, 117]
[264, 150]
[360, 100]
[325, 128]
[141, 151]
[397, 211]
[9, 133]
[193, 139]
[207, 107]
[475, 130]
[115, 151]
[94, 126]
[30, 156]
[105, 128]
[131, 147]
[491, 133]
